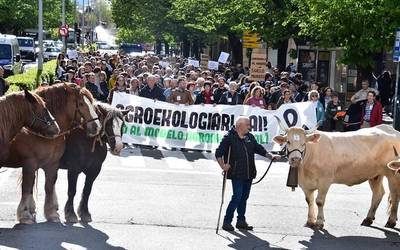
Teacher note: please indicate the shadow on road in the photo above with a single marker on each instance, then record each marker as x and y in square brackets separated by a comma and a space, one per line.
[247, 240]
[322, 239]
[52, 236]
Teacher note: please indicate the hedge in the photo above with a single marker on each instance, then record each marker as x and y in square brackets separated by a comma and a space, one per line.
[28, 79]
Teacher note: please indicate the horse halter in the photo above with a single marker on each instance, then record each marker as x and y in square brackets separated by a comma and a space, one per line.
[45, 120]
[78, 111]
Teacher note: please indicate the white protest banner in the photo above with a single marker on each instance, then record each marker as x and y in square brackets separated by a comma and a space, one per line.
[204, 58]
[202, 127]
[213, 65]
[194, 63]
[223, 57]
[258, 67]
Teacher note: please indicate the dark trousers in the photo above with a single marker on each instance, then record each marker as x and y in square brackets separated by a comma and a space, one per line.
[241, 192]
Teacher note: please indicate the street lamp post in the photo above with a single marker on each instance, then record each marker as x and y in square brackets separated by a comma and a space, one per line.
[40, 37]
[63, 24]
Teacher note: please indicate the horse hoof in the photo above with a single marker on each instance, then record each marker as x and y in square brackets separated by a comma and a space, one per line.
[86, 218]
[367, 222]
[310, 224]
[27, 221]
[72, 218]
[390, 224]
[318, 226]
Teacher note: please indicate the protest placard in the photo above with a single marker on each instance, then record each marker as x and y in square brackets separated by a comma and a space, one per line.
[223, 57]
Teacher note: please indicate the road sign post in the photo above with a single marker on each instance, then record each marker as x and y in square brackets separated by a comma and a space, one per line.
[396, 59]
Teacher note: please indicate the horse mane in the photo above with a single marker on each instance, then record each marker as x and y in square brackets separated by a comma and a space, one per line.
[14, 108]
[87, 93]
[55, 96]
[107, 110]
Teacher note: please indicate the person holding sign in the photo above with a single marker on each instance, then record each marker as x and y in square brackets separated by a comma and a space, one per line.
[256, 97]
[181, 95]
[231, 97]
[240, 168]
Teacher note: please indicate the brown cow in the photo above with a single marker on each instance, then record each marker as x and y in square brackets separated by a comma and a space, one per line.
[350, 158]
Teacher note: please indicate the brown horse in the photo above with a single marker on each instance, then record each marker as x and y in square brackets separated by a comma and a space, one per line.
[23, 109]
[71, 106]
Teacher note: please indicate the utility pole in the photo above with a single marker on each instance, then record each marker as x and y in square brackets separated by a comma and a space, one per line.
[63, 24]
[75, 21]
[40, 37]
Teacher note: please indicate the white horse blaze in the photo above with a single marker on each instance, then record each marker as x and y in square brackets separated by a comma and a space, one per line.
[117, 123]
[93, 113]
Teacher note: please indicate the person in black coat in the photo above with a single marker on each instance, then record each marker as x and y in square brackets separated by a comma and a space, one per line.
[231, 97]
[385, 87]
[235, 155]
[152, 91]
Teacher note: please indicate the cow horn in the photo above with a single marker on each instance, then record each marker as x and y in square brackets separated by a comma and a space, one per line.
[280, 124]
[310, 131]
[395, 151]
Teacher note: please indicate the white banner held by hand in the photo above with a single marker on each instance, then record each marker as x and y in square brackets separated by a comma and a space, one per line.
[213, 65]
[223, 57]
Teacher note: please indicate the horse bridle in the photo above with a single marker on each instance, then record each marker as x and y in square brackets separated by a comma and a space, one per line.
[45, 121]
[78, 111]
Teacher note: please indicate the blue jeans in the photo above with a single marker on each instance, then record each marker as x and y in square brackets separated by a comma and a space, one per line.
[241, 192]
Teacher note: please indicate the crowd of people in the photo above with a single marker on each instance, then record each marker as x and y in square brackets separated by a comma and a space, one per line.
[178, 82]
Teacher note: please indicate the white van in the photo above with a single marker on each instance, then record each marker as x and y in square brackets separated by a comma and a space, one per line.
[8, 50]
[27, 48]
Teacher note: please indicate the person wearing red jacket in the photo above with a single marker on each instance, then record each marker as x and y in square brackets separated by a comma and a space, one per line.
[372, 111]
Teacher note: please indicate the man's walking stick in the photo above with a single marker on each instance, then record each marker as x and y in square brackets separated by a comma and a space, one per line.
[223, 191]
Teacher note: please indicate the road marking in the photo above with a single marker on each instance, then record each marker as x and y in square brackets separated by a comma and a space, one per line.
[172, 171]
[176, 160]
[132, 158]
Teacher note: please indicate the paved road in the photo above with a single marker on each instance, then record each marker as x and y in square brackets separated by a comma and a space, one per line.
[159, 199]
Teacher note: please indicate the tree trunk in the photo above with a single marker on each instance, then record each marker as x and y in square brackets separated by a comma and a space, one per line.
[185, 47]
[282, 53]
[166, 44]
[158, 46]
[195, 50]
[236, 48]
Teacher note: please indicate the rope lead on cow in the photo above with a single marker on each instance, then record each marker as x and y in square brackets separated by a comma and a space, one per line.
[293, 178]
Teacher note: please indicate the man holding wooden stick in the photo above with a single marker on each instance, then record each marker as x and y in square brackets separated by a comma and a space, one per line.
[235, 155]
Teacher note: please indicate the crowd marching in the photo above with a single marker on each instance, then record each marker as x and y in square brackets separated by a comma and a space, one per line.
[176, 81]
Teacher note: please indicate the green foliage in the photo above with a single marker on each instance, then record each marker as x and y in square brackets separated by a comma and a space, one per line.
[17, 15]
[139, 35]
[361, 28]
[28, 79]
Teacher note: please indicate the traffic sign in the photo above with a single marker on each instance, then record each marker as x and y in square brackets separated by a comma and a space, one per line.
[396, 49]
[251, 40]
[63, 31]
[251, 45]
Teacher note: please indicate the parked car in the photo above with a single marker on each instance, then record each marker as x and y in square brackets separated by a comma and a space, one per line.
[27, 48]
[51, 53]
[9, 48]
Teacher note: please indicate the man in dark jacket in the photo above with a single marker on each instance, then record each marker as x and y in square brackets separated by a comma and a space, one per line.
[152, 91]
[220, 90]
[231, 97]
[235, 155]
